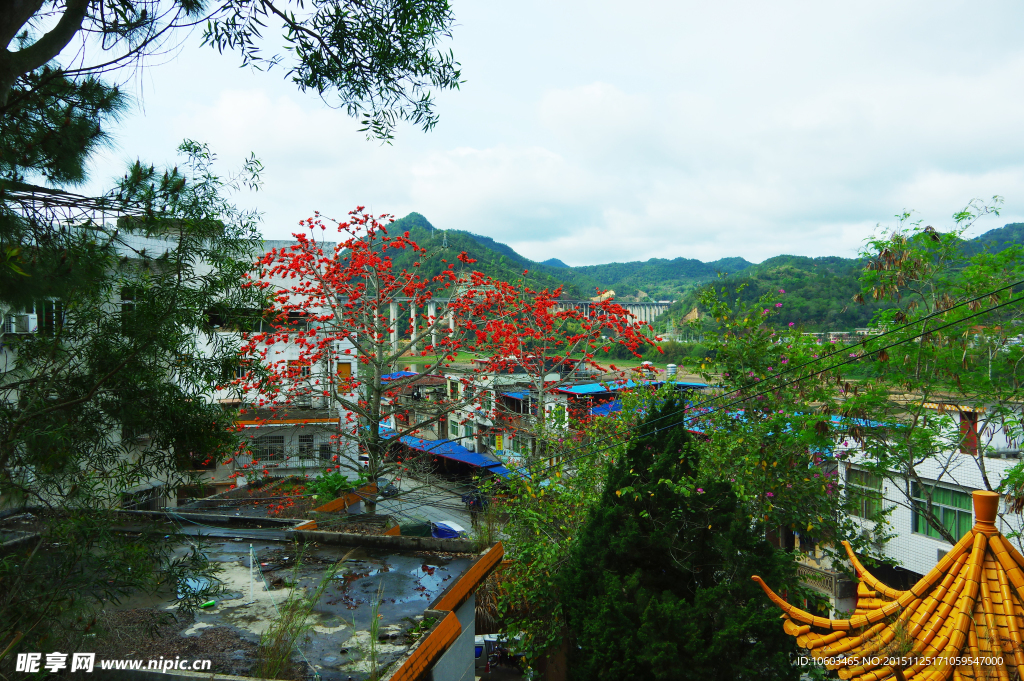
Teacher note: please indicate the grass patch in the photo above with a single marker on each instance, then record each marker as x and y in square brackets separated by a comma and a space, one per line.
[273, 657]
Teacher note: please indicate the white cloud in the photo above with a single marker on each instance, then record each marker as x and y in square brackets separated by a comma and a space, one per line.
[675, 129]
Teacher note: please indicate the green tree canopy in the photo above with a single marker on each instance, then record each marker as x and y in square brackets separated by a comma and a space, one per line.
[377, 59]
[659, 585]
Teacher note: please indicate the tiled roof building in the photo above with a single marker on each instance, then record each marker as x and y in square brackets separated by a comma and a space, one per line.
[962, 620]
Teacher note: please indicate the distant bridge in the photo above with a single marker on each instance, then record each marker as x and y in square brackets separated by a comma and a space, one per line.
[645, 312]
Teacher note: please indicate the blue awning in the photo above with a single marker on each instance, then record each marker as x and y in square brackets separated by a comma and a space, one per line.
[449, 450]
[516, 396]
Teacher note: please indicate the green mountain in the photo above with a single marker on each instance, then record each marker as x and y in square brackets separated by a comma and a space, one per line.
[819, 291]
[656, 279]
[493, 258]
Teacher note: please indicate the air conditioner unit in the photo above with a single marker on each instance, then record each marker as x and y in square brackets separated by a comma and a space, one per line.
[26, 323]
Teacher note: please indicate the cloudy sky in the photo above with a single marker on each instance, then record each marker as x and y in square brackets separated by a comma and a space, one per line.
[595, 131]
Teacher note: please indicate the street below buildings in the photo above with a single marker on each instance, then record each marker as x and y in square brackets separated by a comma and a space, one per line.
[430, 500]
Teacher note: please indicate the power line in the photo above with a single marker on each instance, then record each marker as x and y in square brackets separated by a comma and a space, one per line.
[815, 361]
[838, 351]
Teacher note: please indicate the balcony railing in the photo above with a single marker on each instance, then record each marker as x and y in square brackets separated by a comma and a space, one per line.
[317, 455]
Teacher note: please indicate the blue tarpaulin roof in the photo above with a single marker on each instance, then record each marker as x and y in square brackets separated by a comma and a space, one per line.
[449, 450]
[397, 375]
[609, 387]
[614, 386]
[606, 408]
[517, 396]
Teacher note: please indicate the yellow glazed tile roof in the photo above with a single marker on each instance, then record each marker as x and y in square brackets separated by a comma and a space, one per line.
[963, 620]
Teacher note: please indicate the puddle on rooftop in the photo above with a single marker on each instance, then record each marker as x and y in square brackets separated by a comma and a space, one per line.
[407, 583]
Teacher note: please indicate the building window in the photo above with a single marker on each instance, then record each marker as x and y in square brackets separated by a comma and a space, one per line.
[969, 432]
[51, 319]
[324, 450]
[304, 370]
[269, 446]
[453, 430]
[453, 389]
[951, 507]
[485, 400]
[864, 490]
[129, 296]
[305, 445]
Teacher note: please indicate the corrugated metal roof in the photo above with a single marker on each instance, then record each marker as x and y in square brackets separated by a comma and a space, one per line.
[607, 387]
[449, 450]
[397, 375]
[615, 386]
[606, 408]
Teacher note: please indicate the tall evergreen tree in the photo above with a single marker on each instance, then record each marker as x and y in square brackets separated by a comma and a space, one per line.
[659, 586]
[109, 394]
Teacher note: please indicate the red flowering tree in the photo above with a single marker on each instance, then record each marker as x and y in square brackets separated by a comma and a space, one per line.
[351, 313]
[546, 343]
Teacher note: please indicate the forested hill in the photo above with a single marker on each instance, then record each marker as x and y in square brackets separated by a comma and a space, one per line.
[655, 279]
[818, 290]
[492, 257]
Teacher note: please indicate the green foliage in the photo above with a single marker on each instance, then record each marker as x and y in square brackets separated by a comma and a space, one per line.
[291, 625]
[659, 278]
[492, 258]
[545, 518]
[953, 324]
[771, 442]
[957, 314]
[375, 59]
[112, 394]
[668, 352]
[379, 60]
[659, 583]
[52, 124]
[820, 292]
[333, 484]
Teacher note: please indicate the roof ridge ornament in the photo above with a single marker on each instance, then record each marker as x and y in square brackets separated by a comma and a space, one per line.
[986, 507]
[961, 619]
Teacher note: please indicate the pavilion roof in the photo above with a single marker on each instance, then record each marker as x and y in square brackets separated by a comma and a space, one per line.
[966, 609]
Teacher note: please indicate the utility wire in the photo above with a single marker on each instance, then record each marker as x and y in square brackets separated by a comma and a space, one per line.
[818, 360]
[713, 410]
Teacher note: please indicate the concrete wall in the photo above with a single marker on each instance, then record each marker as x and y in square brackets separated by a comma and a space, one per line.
[394, 543]
[459, 662]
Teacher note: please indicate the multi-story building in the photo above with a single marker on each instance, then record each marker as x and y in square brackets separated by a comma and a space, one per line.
[984, 449]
